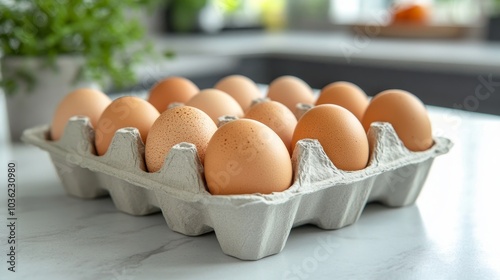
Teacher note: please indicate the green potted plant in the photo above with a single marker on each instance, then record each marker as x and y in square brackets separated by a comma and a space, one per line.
[52, 47]
[182, 15]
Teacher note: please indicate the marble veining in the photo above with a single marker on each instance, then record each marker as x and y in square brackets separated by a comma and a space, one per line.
[450, 232]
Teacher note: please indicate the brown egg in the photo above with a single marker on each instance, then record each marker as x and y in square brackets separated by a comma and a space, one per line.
[290, 91]
[244, 157]
[277, 117]
[216, 103]
[241, 88]
[171, 90]
[81, 102]
[127, 111]
[347, 95]
[340, 133]
[406, 113]
[176, 125]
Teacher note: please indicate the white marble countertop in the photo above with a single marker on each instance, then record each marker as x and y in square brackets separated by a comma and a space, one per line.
[450, 233]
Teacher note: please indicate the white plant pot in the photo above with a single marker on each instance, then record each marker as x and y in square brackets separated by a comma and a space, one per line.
[30, 108]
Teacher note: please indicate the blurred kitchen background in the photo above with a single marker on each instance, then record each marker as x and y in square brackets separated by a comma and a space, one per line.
[441, 50]
[447, 52]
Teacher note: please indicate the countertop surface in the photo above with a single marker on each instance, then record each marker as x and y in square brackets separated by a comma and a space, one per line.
[221, 52]
[470, 56]
[451, 232]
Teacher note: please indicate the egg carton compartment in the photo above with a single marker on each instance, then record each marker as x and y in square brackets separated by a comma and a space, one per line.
[248, 227]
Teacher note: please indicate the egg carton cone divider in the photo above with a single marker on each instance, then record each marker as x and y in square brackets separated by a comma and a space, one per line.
[248, 227]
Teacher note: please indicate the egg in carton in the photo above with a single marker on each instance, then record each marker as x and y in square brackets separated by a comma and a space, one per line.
[247, 227]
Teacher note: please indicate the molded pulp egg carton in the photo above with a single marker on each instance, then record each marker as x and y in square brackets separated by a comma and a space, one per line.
[247, 227]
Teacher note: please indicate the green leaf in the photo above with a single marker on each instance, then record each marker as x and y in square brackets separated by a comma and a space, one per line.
[102, 31]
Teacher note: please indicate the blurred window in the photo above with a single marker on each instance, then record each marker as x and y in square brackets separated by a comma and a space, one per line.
[463, 12]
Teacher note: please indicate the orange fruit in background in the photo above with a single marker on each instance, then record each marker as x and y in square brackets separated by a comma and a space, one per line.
[413, 13]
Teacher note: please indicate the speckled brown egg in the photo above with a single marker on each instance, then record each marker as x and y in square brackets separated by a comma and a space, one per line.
[406, 113]
[347, 95]
[277, 117]
[241, 88]
[127, 111]
[216, 103]
[171, 90]
[174, 126]
[245, 157]
[290, 91]
[81, 102]
[340, 134]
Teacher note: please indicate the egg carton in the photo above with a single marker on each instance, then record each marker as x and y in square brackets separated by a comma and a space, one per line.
[247, 227]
